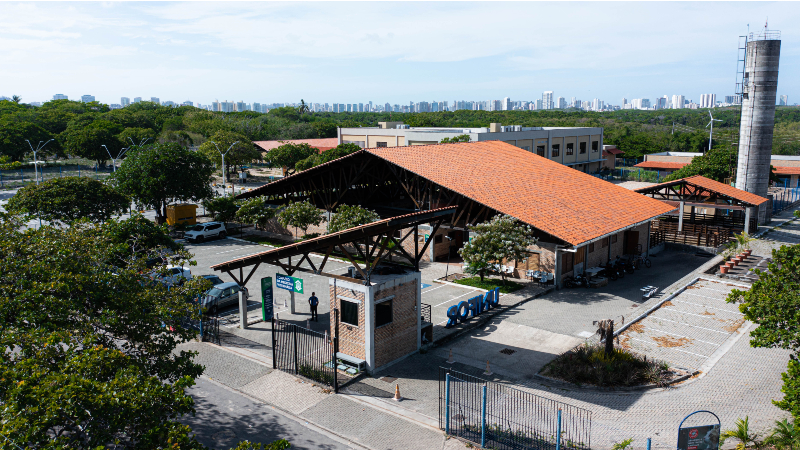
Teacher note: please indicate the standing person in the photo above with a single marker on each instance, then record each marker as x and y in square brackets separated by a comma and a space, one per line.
[314, 301]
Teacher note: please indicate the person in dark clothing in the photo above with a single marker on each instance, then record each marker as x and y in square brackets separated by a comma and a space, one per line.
[314, 301]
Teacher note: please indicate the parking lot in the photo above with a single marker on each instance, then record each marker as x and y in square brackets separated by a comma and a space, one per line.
[688, 329]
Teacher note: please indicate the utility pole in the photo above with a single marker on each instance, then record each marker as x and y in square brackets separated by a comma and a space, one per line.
[35, 160]
[119, 155]
[224, 182]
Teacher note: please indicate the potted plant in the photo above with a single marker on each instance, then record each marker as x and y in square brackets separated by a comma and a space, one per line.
[724, 268]
[744, 240]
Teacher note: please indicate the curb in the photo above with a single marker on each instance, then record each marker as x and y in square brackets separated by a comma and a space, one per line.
[613, 390]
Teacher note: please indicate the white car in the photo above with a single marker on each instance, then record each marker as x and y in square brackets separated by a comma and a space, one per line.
[175, 276]
[203, 231]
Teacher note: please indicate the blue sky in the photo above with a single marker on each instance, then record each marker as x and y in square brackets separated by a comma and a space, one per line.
[383, 51]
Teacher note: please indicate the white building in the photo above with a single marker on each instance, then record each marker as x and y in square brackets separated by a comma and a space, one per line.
[708, 100]
[561, 103]
[87, 98]
[125, 101]
[60, 97]
[137, 99]
[784, 100]
[547, 100]
[678, 101]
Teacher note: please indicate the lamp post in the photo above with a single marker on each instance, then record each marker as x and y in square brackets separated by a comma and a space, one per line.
[224, 179]
[141, 143]
[449, 248]
[114, 160]
[35, 160]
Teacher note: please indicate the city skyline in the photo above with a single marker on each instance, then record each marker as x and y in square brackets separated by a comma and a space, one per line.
[195, 51]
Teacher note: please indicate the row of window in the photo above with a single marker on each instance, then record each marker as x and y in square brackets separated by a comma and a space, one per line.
[383, 313]
[570, 150]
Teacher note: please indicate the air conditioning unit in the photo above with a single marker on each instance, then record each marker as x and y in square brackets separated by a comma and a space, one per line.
[403, 127]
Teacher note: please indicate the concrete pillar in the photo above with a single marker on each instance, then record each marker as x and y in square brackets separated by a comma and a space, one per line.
[680, 216]
[418, 280]
[747, 219]
[291, 295]
[242, 310]
[369, 327]
[647, 250]
[557, 275]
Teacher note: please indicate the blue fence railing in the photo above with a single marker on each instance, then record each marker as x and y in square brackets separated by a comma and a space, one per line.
[784, 198]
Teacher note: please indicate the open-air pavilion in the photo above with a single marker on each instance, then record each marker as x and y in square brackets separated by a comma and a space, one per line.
[709, 212]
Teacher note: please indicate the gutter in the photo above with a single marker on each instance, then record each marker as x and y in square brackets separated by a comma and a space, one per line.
[623, 229]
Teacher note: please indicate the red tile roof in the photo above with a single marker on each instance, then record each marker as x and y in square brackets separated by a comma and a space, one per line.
[322, 144]
[664, 165]
[614, 151]
[783, 170]
[699, 181]
[570, 205]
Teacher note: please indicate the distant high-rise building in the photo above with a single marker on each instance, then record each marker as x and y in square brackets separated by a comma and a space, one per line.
[539, 104]
[561, 103]
[137, 99]
[733, 99]
[547, 100]
[242, 106]
[784, 100]
[708, 100]
[678, 101]
[155, 100]
[598, 105]
[87, 98]
[187, 103]
[574, 103]
[168, 103]
[506, 106]
[60, 97]
[624, 101]
[125, 101]
[662, 103]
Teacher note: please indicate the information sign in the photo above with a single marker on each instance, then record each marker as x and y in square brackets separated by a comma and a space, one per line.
[266, 298]
[704, 437]
[289, 283]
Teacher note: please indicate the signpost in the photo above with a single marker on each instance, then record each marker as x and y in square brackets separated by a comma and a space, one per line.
[266, 299]
[290, 284]
[704, 437]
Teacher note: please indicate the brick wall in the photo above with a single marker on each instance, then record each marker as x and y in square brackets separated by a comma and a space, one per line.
[351, 338]
[399, 337]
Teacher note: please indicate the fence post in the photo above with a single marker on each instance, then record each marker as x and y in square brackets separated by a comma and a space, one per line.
[274, 345]
[648, 443]
[558, 432]
[483, 419]
[335, 370]
[447, 404]
[640, 174]
[296, 369]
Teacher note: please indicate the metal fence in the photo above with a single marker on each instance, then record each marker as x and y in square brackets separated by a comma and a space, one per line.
[10, 179]
[207, 326]
[305, 352]
[497, 416]
[426, 312]
[784, 198]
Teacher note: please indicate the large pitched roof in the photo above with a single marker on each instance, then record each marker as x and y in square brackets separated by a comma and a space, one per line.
[322, 144]
[568, 204]
[664, 165]
[700, 182]
[787, 170]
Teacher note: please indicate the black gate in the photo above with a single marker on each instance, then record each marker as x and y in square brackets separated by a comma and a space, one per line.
[305, 352]
[209, 329]
[505, 418]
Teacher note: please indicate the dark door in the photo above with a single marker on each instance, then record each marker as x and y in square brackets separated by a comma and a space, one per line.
[631, 243]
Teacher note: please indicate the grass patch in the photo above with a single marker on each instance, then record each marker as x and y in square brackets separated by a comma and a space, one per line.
[589, 364]
[490, 283]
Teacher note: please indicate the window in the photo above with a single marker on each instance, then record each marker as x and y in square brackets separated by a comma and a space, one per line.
[554, 151]
[583, 147]
[526, 147]
[540, 150]
[437, 239]
[613, 238]
[591, 247]
[349, 312]
[595, 146]
[570, 149]
[383, 313]
[361, 144]
[604, 243]
[380, 144]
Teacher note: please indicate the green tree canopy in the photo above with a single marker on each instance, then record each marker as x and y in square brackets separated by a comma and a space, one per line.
[717, 164]
[244, 152]
[85, 138]
[773, 302]
[337, 152]
[501, 238]
[223, 207]
[89, 355]
[351, 216]
[136, 237]
[255, 211]
[156, 175]
[13, 144]
[288, 155]
[69, 199]
[300, 215]
[454, 139]
[135, 136]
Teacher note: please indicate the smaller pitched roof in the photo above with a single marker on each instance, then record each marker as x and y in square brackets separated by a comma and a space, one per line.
[664, 165]
[699, 181]
[613, 151]
[321, 144]
[783, 170]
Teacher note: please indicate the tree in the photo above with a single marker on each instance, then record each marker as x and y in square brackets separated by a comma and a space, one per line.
[281, 444]
[134, 136]
[69, 199]
[89, 356]
[501, 238]
[135, 237]
[303, 108]
[305, 164]
[13, 136]
[155, 175]
[351, 216]
[288, 155]
[87, 139]
[255, 211]
[223, 207]
[717, 164]
[454, 139]
[244, 152]
[16, 98]
[337, 152]
[773, 302]
[300, 215]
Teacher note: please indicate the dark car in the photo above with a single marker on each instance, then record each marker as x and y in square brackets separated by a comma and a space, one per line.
[215, 280]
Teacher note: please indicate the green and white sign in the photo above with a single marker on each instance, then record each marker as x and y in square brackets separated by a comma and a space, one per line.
[289, 283]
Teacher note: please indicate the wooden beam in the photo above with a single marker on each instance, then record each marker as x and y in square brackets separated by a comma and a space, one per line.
[425, 247]
[252, 271]
[350, 258]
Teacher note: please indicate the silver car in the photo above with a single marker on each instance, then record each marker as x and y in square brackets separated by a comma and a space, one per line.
[223, 295]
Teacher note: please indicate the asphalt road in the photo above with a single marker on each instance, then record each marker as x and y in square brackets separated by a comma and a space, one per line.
[225, 417]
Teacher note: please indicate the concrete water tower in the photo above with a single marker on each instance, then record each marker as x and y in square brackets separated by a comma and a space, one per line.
[758, 88]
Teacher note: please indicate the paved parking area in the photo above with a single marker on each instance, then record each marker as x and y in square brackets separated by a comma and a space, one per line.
[689, 328]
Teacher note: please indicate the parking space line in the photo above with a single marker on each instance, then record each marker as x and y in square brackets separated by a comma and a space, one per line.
[680, 335]
[439, 287]
[684, 312]
[448, 301]
[705, 296]
[708, 307]
[671, 348]
[693, 326]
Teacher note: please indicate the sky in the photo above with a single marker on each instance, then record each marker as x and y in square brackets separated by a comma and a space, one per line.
[393, 52]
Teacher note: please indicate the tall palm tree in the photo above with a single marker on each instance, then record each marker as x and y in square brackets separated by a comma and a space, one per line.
[16, 98]
[303, 108]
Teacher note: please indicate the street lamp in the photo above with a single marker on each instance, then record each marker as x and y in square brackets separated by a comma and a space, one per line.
[449, 248]
[223, 161]
[141, 143]
[35, 161]
[114, 160]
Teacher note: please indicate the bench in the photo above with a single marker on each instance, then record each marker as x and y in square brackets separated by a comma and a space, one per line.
[648, 292]
[359, 365]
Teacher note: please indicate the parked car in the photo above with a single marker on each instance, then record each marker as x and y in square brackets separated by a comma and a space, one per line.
[215, 280]
[175, 275]
[203, 231]
[223, 295]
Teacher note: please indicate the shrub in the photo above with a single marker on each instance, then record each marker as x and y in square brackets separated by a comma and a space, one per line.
[590, 364]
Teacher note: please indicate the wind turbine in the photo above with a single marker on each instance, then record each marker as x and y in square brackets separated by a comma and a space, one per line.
[711, 123]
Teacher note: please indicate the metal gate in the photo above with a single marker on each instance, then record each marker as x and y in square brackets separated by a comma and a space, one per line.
[305, 352]
[493, 415]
